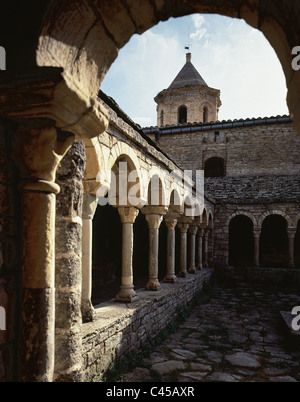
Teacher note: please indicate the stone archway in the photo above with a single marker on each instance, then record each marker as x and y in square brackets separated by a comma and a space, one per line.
[108, 25]
[274, 242]
[241, 241]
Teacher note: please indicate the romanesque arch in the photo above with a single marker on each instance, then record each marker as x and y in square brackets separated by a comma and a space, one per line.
[275, 212]
[241, 240]
[109, 25]
[245, 213]
[274, 245]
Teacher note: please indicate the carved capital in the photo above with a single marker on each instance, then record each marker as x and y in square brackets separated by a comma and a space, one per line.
[128, 214]
[193, 230]
[183, 227]
[38, 152]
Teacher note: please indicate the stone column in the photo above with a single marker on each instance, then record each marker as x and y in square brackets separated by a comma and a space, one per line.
[154, 216]
[38, 153]
[88, 212]
[199, 264]
[256, 234]
[170, 274]
[291, 236]
[154, 222]
[183, 249]
[193, 231]
[205, 253]
[128, 216]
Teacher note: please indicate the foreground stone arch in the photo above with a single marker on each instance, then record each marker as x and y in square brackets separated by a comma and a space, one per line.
[108, 25]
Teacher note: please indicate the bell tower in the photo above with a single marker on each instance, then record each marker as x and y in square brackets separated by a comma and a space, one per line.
[188, 99]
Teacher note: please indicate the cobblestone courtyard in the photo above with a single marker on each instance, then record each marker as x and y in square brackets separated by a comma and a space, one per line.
[235, 335]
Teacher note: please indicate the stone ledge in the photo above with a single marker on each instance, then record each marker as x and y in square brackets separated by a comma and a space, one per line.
[119, 328]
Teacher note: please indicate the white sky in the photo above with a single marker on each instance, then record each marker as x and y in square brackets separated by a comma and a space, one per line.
[229, 54]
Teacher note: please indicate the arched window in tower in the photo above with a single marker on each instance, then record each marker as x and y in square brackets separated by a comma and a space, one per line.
[214, 167]
[205, 114]
[182, 114]
[162, 118]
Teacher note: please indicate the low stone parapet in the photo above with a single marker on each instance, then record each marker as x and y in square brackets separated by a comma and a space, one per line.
[120, 328]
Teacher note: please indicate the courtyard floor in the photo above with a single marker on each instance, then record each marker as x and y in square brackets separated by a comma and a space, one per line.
[235, 335]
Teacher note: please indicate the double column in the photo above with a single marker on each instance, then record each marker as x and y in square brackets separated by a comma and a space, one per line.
[38, 247]
[291, 240]
[183, 225]
[171, 222]
[154, 216]
[128, 216]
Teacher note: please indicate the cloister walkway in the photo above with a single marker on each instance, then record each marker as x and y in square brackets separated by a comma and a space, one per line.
[235, 335]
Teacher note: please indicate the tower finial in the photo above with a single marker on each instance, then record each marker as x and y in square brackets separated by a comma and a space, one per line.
[188, 57]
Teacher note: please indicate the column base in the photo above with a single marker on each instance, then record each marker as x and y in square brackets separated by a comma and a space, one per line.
[153, 284]
[199, 267]
[87, 311]
[170, 279]
[192, 270]
[126, 294]
[182, 274]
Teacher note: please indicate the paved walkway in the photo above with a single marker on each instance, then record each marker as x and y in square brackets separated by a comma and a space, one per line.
[236, 335]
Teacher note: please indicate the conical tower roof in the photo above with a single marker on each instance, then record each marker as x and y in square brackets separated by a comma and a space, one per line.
[188, 76]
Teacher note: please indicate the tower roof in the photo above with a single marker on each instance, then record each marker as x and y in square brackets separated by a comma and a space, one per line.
[188, 76]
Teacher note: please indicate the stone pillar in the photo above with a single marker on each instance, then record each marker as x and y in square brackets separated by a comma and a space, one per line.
[256, 234]
[291, 236]
[193, 231]
[88, 212]
[205, 253]
[38, 153]
[68, 266]
[183, 249]
[199, 264]
[128, 216]
[154, 216]
[170, 274]
[154, 222]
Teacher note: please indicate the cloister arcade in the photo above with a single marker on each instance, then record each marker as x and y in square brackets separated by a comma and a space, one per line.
[271, 240]
[58, 53]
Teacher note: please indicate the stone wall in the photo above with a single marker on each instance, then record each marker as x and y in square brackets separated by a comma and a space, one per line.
[121, 328]
[224, 213]
[254, 148]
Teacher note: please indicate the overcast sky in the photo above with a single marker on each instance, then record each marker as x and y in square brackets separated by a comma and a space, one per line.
[229, 54]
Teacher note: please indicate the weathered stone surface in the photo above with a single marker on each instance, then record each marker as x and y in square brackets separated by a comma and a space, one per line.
[243, 359]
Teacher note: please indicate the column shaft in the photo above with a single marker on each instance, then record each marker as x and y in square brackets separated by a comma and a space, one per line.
[38, 292]
[193, 231]
[256, 249]
[199, 249]
[170, 274]
[154, 222]
[128, 216]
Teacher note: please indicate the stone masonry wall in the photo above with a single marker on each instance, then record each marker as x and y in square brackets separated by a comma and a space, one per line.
[256, 150]
[121, 328]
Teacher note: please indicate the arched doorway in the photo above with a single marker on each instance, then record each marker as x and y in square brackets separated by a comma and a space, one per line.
[274, 242]
[106, 253]
[241, 242]
[214, 167]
